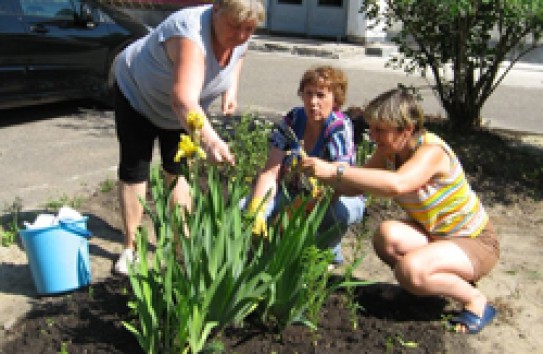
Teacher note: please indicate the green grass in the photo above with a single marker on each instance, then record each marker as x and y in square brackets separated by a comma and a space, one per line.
[107, 185]
[55, 204]
[10, 229]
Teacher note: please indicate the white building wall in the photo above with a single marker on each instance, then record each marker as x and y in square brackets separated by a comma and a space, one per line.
[360, 29]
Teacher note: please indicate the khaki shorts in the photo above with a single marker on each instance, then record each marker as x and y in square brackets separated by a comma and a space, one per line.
[483, 250]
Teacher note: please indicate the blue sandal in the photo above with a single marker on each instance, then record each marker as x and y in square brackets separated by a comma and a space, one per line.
[474, 323]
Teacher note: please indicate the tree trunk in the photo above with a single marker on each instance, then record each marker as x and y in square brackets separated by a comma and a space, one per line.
[463, 115]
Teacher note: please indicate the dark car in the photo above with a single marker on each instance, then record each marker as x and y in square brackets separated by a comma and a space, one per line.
[53, 50]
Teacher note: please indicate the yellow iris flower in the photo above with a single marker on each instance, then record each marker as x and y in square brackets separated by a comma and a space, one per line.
[195, 120]
[256, 207]
[316, 189]
[187, 148]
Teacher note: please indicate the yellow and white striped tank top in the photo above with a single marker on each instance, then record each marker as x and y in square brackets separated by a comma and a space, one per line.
[445, 205]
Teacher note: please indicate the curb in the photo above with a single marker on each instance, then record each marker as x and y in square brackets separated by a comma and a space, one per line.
[292, 49]
[318, 48]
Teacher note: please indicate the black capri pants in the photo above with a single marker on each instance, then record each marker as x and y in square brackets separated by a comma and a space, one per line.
[136, 136]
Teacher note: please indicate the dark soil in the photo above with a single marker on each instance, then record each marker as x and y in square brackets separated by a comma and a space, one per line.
[90, 320]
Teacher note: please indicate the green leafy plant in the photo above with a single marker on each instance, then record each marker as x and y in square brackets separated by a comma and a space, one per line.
[315, 280]
[201, 276]
[107, 185]
[364, 150]
[358, 256]
[391, 341]
[389, 345]
[63, 348]
[291, 233]
[300, 271]
[208, 271]
[8, 232]
[8, 236]
[249, 143]
[407, 343]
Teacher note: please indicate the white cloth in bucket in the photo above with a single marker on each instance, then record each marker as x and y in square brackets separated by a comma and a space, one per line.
[45, 220]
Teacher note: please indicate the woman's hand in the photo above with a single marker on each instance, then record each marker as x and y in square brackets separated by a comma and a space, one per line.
[320, 169]
[218, 151]
[229, 103]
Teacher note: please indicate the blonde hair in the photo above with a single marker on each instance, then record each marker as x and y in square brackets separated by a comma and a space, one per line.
[334, 79]
[242, 10]
[396, 108]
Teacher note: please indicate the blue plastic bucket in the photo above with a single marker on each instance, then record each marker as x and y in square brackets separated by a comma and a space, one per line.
[58, 256]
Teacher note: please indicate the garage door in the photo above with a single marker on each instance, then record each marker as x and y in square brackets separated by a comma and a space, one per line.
[309, 17]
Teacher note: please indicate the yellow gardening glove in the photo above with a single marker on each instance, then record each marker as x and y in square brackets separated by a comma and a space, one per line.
[256, 207]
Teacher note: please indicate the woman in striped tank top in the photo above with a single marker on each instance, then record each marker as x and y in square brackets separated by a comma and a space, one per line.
[447, 242]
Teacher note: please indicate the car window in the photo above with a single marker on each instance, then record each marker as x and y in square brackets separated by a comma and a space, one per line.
[6, 7]
[53, 9]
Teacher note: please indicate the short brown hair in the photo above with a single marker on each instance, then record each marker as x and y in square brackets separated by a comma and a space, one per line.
[396, 108]
[334, 79]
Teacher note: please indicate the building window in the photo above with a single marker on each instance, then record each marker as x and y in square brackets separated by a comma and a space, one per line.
[334, 3]
[291, 2]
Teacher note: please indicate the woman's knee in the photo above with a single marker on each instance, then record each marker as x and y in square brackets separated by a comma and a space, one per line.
[386, 235]
[411, 272]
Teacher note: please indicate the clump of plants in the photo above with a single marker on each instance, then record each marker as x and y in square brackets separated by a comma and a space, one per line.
[249, 143]
[210, 271]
